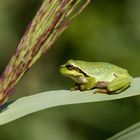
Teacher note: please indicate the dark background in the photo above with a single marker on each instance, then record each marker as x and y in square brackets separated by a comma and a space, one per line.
[107, 30]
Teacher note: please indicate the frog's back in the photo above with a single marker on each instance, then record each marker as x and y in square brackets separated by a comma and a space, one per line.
[102, 71]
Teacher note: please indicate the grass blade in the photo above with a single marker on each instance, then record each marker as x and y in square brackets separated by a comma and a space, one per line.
[37, 102]
[131, 133]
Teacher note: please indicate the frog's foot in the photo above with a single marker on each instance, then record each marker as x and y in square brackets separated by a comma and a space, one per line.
[106, 91]
[103, 91]
[76, 87]
[80, 87]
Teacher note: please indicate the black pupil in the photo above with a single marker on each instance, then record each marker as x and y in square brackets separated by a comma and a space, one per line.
[69, 67]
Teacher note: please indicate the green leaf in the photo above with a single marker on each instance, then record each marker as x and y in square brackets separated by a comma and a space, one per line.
[131, 133]
[37, 102]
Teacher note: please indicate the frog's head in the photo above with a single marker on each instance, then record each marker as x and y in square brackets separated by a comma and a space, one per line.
[71, 69]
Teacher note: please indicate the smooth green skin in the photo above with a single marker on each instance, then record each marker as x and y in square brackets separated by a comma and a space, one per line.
[106, 77]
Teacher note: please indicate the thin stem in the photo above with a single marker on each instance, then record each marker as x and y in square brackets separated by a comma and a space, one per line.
[51, 20]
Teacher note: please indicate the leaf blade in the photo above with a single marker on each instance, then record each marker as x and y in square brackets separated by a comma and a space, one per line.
[37, 102]
[130, 133]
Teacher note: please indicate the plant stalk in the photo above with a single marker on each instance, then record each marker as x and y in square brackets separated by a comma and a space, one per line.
[53, 17]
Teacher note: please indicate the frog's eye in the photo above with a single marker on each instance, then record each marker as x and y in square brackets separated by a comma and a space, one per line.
[69, 67]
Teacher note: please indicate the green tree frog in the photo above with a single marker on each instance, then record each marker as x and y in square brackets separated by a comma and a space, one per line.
[104, 77]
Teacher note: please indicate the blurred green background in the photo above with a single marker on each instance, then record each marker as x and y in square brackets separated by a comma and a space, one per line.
[107, 30]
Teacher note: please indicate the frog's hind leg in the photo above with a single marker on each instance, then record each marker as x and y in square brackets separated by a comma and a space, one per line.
[119, 84]
[121, 90]
[101, 87]
[102, 84]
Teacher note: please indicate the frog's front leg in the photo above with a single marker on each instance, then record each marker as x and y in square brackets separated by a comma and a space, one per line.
[89, 84]
[120, 83]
